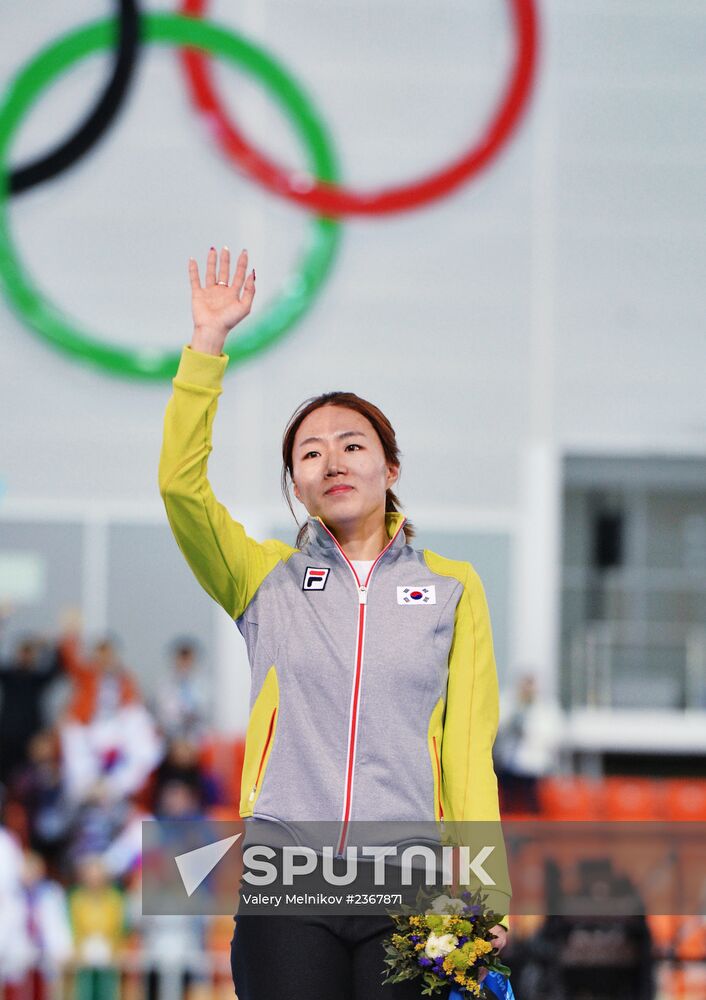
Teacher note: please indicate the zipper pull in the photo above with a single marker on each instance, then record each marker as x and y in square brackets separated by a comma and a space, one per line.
[252, 793]
[363, 595]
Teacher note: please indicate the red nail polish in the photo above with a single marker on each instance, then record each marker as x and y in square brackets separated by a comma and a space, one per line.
[253, 274]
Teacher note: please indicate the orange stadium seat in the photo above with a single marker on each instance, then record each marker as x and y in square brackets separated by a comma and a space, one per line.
[631, 798]
[685, 799]
[570, 798]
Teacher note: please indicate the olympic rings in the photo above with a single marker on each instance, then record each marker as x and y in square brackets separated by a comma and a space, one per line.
[335, 201]
[319, 192]
[98, 119]
[44, 317]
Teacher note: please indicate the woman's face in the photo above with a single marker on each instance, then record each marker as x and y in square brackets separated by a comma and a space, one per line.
[339, 469]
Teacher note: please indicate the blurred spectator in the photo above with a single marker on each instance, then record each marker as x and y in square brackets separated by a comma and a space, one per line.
[15, 944]
[39, 787]
[97, 911]
[600, 957]
[178, 800]
[109, 740]
[183, 706]
[530, 734]
[101, 684]
[96, 822]
[22, 684]
[182, 764]
[11, 862]
[46, 918]
[115, 752]
[123, 856]
[173, 948]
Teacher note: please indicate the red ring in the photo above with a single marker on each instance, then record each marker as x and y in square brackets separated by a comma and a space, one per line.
[332, 200]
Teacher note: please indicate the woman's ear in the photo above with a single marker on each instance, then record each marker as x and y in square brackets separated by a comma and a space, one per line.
[393, 474]
[295, 490]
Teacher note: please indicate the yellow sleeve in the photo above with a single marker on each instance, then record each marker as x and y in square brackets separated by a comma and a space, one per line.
[470, 786]
[472, 710]
[228, 564]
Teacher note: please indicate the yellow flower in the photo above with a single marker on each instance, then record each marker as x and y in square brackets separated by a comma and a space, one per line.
[481, 946]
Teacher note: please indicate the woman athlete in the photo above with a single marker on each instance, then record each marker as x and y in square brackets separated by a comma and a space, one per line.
[374, 689]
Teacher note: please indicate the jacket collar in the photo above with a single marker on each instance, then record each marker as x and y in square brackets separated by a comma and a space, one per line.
[320, 535]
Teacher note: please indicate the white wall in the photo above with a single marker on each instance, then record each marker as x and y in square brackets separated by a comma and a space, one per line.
[552, 304]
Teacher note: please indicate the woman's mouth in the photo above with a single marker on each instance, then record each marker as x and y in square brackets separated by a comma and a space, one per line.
[337, 489]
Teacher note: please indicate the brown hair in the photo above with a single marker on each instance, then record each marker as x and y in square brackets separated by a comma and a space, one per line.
[377, 418]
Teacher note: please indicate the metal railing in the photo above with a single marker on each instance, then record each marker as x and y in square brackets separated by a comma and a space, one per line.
[648, 665]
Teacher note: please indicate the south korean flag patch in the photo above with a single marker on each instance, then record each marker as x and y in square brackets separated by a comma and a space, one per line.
[315, 577]
[416, 595]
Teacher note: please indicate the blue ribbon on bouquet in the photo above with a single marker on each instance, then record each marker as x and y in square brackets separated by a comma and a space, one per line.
[498, 985]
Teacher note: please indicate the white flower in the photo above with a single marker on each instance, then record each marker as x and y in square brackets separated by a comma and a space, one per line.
[444, 904]
[440, 944]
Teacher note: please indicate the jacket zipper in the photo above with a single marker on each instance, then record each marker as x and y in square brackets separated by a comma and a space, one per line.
[438, 777]
[355, 694]
[263, 755]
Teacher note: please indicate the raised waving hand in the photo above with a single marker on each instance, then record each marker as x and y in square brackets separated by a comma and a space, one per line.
[219, 304]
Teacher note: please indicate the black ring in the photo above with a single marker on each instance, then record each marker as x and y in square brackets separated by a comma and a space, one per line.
[97, 120]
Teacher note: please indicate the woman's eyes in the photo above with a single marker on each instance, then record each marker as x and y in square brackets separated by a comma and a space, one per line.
[351, 445]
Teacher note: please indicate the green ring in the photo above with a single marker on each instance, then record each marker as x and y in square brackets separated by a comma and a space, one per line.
[42, 316]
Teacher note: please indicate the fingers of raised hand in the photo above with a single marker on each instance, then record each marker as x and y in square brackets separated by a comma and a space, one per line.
[211, 261]
[194, 274]
[221, 267]
[210, 274]
[244, 287]
[241, 268]
[224, 267]
[248, 291]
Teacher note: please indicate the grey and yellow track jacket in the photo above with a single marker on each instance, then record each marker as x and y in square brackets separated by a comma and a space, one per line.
[371, 699]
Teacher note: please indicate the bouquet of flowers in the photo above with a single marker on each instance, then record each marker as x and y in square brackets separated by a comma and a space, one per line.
[449, 944]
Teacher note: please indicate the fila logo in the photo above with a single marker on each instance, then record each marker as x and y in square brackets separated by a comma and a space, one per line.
[416, 595]
[315, 578]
